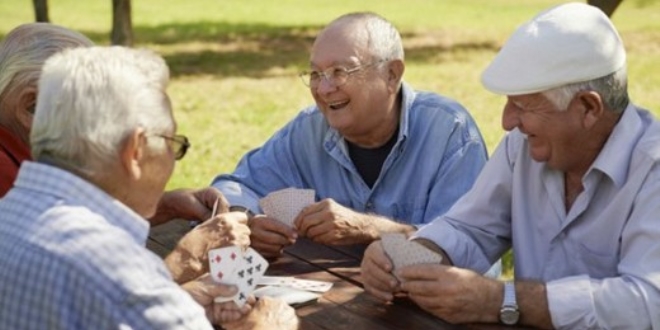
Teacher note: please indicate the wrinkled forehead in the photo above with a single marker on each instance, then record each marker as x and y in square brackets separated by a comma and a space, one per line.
[340, 44]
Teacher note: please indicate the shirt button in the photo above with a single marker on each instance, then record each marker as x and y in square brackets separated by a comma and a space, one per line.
[369, 205]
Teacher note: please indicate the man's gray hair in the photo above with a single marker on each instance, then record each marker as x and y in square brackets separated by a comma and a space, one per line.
[91, 99]
[26, 48]
[613, 89]
[383, 39]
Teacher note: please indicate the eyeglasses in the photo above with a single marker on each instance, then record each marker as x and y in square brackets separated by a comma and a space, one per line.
[337, 76]
[180, 144]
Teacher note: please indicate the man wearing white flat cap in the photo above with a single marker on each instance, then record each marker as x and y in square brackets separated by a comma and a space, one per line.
[574, 189]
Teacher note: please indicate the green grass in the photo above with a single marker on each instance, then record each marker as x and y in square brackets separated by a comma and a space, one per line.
[234, 62]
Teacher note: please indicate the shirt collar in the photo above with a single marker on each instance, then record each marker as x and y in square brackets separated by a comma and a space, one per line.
[614, 158]
[14, 146]
[74, 190]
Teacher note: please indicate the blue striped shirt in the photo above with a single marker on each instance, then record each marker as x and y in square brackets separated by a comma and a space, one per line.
[73, 257]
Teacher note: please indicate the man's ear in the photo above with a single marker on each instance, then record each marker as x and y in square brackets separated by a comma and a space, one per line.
[592, 107]
[27, 102]
[132, 153]
[395, 71]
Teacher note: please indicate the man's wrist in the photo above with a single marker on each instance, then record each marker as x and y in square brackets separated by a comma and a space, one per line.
[243, 209]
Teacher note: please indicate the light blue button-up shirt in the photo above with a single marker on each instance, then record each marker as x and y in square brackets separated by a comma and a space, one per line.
[601, 260]
[72, 257]
[437, 156]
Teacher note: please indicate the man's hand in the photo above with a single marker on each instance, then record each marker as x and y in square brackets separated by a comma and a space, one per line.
[188, 204]
[203, 290]
[268, 313]
[377, 273]
[453, 294]
[189, 259]
[328, 222]
[270, 236]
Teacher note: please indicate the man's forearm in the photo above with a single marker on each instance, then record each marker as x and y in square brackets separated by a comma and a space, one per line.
[533, 304]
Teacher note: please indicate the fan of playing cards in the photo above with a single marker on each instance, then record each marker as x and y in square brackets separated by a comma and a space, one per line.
[232, 265]
[404, 252]
[285, 205]
[245, 269]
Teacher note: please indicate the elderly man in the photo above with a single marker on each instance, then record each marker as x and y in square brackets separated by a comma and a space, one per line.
[22, 54]
[73, 228]
[381, 156]
[573, 188]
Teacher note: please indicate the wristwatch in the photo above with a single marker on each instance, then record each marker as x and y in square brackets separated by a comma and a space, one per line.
[509, 313]
[238, 208]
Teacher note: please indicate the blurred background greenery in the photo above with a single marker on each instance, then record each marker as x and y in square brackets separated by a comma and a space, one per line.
[234, 63]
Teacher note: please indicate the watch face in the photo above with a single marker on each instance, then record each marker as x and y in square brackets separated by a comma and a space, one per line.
[509, 315]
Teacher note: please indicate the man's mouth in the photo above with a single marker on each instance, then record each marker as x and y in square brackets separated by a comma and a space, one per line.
[338, 105]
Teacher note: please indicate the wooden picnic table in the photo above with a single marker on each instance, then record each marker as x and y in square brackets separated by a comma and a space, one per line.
[346, 305]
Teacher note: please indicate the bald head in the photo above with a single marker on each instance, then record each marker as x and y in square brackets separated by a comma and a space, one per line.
[367, 31]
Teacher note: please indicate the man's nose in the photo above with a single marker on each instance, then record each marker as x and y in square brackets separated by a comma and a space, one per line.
[510, 117]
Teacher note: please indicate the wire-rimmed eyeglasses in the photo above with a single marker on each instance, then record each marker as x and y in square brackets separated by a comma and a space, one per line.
[337, 76]
[179, 143]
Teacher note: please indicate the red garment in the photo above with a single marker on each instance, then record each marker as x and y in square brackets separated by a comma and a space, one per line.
[12, 153]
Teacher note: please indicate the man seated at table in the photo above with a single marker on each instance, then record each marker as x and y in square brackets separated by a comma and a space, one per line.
[381, 156]
[73, 228]
[22, 54]
[573, 188]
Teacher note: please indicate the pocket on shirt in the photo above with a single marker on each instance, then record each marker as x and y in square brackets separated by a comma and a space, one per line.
[410, 212]
[598, 264]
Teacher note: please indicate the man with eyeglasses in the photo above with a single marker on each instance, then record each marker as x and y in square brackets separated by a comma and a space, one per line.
[22, 54]
[73, 226]
[381, 156]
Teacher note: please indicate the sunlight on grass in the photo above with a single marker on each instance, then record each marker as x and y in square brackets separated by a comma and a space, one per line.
[234, 63]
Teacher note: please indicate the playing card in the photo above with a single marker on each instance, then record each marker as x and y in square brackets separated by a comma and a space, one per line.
[247, 275]
[223, 262]
[285, 205]
[232, 265]
[404, 252]
[295, 283]
[289, 295]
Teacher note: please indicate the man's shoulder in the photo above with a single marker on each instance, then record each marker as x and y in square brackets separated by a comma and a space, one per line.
[431, 104]
[649, 142]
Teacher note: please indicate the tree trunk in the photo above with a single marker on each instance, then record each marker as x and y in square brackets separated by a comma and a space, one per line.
[122, 27]
[607, 6]
[41, 10]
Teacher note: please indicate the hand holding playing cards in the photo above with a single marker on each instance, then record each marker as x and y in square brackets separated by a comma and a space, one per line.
[394, 253]
[328, 222]
[454, 294]
[270, 236]
[267, 314]
[204, 290]
[189, 259]
[377, 274]
[188, 204]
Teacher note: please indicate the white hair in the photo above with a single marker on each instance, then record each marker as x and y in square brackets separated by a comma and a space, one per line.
[91, 99]
[25, 49]
[612, 88]
[383, 39]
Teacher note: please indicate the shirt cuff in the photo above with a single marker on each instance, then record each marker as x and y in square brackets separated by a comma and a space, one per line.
[570, 302]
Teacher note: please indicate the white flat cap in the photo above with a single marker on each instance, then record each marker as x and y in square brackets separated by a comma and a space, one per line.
[570, 43]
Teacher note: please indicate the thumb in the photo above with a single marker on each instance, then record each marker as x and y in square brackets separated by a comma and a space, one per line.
[204, 290]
